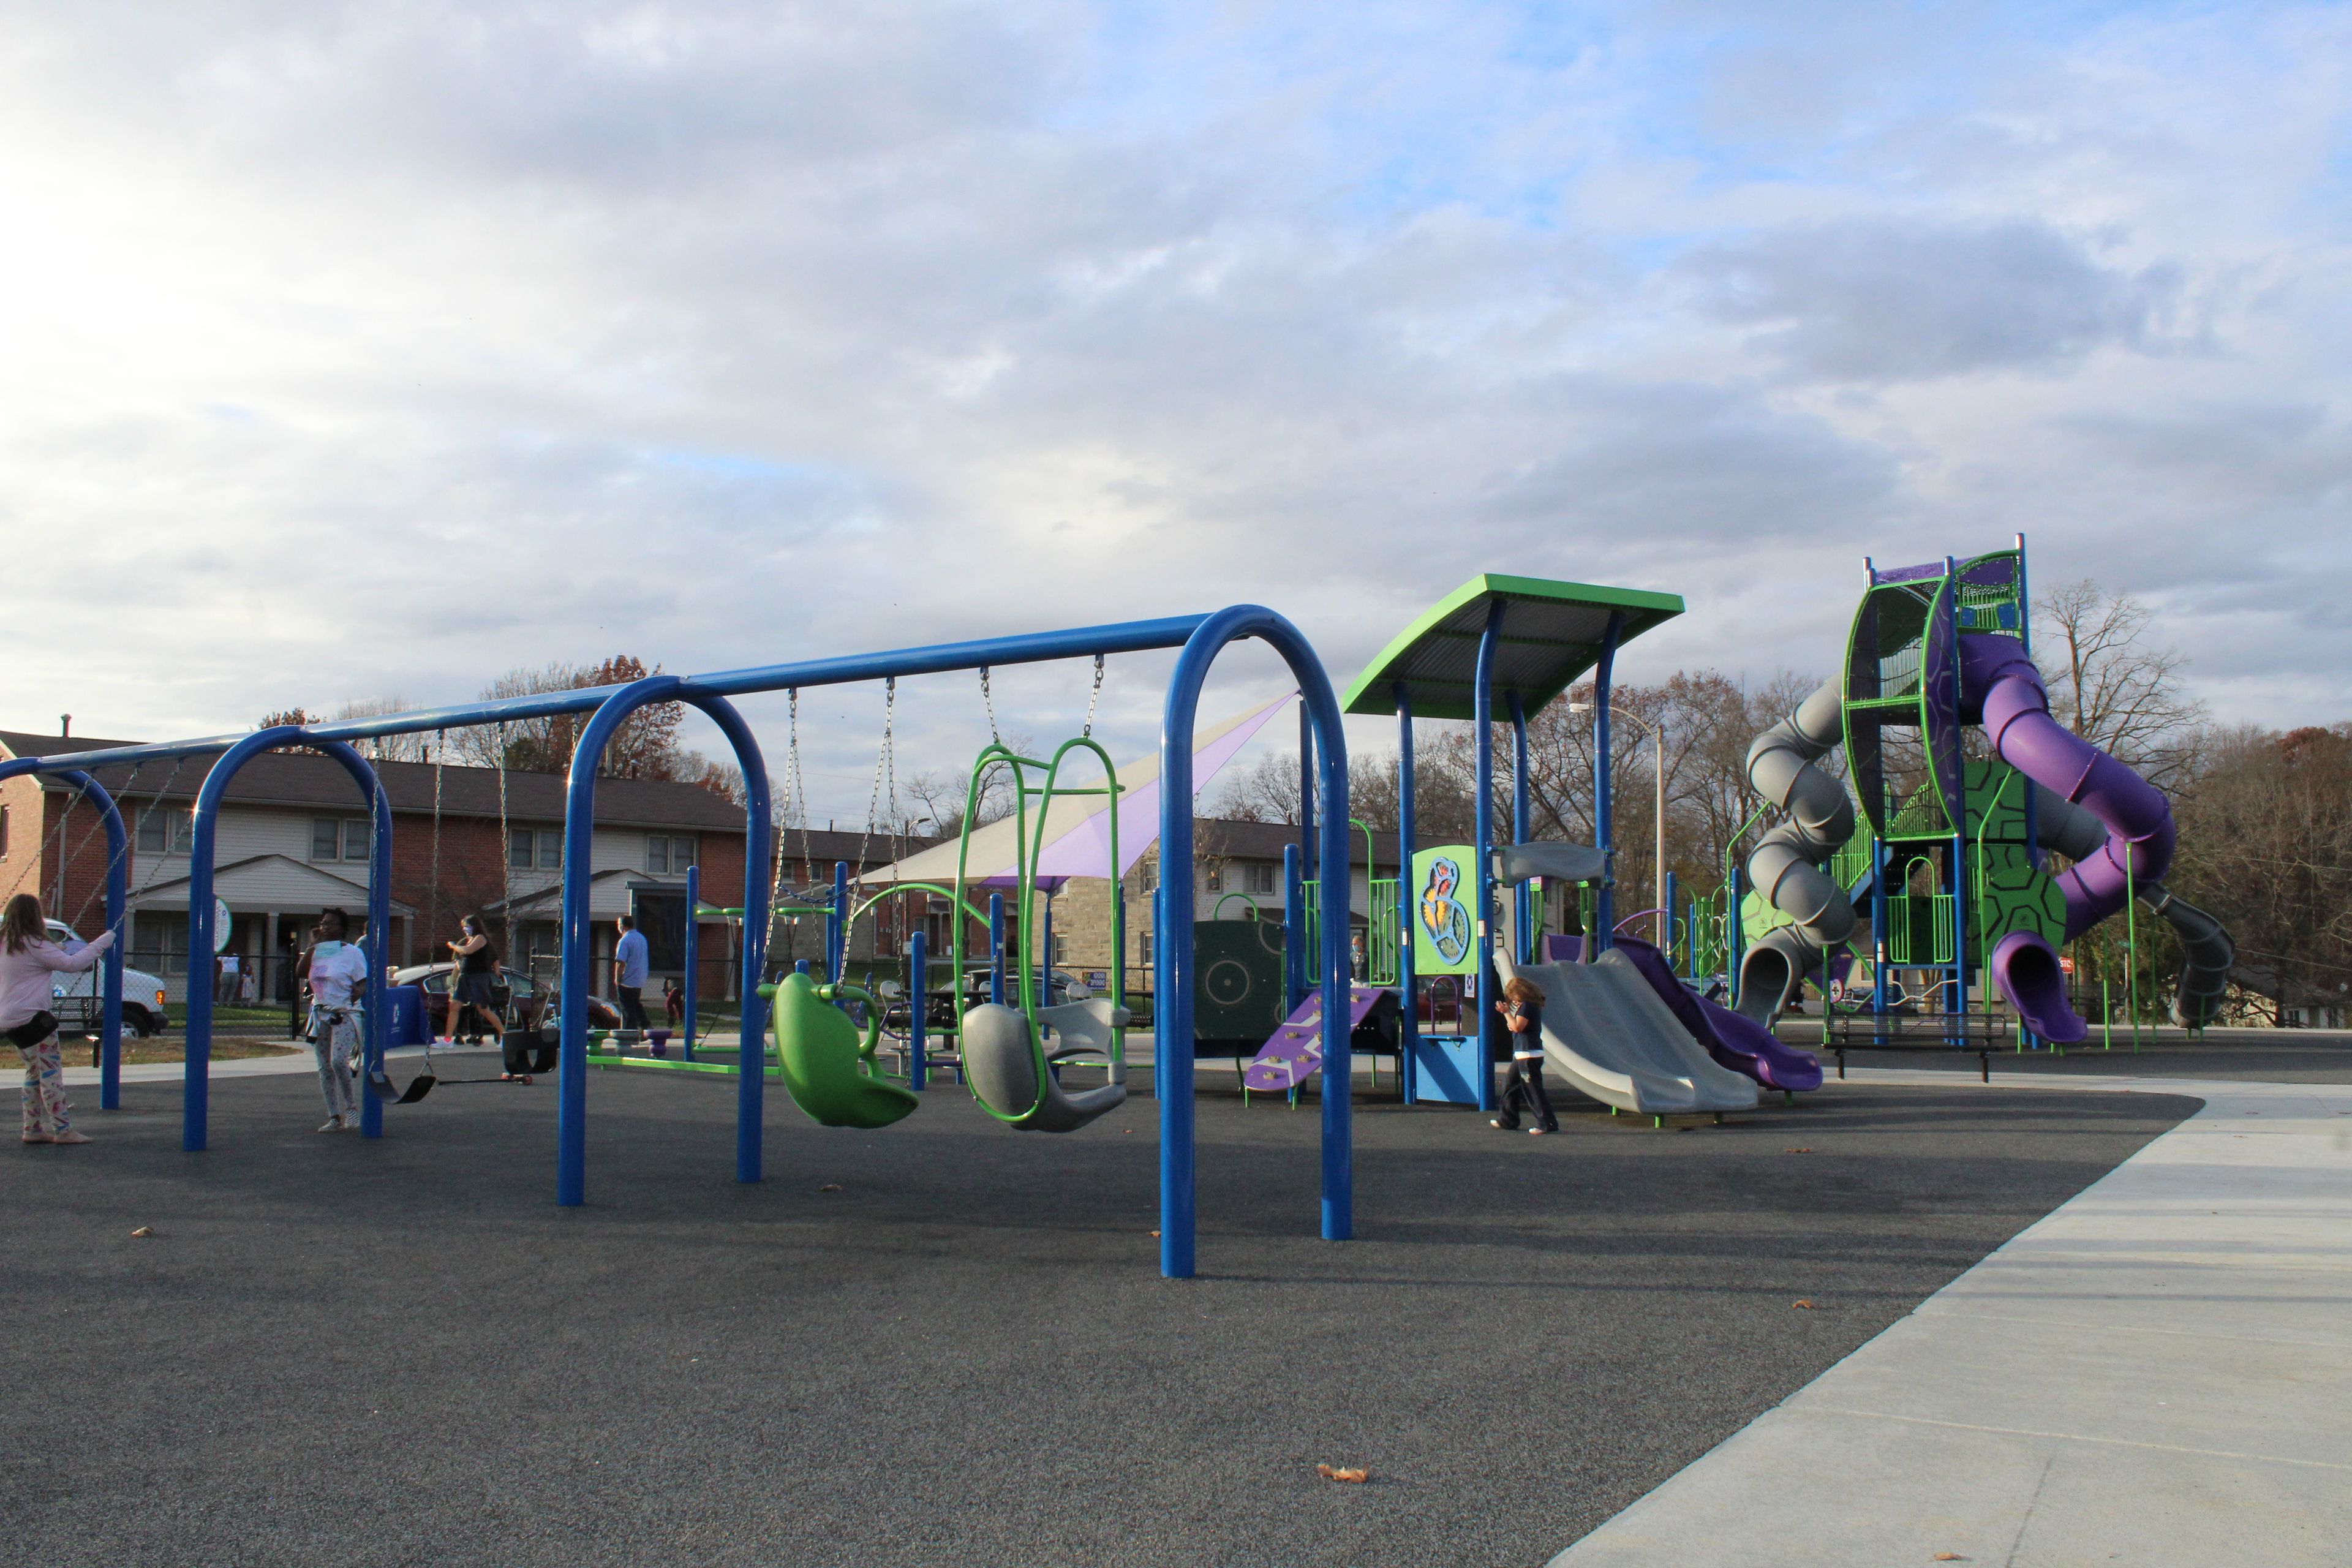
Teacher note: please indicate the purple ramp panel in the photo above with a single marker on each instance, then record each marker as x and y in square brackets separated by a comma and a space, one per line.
[1733, 1039]
[1293, 1052]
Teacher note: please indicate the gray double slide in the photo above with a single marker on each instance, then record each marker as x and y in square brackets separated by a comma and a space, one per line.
[1608, 1035]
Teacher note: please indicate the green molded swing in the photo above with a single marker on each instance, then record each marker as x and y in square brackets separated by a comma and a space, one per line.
[830, 1072]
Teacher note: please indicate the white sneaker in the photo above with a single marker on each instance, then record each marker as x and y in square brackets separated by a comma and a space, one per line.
[331, 1124]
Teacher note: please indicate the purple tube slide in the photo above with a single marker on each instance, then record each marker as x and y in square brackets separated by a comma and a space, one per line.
[1733, 1039]
[2001, 688]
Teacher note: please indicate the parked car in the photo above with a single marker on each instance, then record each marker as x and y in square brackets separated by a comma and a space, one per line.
[523, 1002]
[78, 995]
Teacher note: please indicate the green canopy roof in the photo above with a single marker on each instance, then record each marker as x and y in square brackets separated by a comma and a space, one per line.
[1553, 633]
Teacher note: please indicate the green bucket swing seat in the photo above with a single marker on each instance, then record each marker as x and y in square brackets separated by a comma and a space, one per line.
[828, 1069]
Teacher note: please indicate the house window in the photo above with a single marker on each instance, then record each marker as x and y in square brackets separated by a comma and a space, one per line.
[3, 832]
[1061, 949]
[1146, 949]
[1216, 875]
[1257, 877]
[666, 854]
[160, 824]
[550, 850]
[355, 839]
[519, 848]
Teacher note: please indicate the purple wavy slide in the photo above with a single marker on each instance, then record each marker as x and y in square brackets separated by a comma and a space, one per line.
[2001, 689]
[1733, 1039]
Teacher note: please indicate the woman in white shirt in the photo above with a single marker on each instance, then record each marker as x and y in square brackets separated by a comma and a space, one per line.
[337, 973]
[28, 960]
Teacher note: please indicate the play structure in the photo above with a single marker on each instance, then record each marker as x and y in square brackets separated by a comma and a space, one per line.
[812, 1055]
[1620, 1026]
[1935, 895]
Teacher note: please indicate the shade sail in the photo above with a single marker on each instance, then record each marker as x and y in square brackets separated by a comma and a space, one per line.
[1077, 827]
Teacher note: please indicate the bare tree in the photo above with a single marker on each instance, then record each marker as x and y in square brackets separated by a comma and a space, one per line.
[2109, 683]
[645, 747]
[939, 794]
[386, 748]
[2266, 840]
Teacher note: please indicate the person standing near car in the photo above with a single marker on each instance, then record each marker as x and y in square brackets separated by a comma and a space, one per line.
[630, 964]
[472, 991]
[27, 959]
[337, 972]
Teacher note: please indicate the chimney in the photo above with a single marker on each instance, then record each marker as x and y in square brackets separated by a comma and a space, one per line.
[65, 726]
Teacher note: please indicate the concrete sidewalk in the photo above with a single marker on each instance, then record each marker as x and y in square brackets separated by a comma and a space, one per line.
[2156, 1373]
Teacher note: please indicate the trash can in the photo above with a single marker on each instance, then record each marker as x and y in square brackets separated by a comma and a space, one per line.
[404, 1015]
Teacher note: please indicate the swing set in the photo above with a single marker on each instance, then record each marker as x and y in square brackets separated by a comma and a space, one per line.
[1196, 639]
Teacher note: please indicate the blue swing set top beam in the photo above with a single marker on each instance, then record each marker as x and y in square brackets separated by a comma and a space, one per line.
[1199, 637]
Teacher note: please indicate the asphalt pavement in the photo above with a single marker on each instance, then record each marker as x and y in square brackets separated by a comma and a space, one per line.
[947, 1341]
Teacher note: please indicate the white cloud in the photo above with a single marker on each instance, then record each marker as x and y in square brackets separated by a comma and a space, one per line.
[379, 348]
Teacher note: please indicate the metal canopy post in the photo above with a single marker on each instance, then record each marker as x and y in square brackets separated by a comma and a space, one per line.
[1174, 969]
[1409, 1026]
[1604, 830]
[1294, 932]
[1482, 716]
[1522, 906]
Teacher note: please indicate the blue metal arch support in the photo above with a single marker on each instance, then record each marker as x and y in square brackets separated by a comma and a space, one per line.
[196, 1093]
[579, 836]
[1173, 966]
[118, 883]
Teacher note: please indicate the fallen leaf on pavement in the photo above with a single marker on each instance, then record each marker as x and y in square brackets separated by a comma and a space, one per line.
[144, 1230]
[830, 1187]
[1330, 1473]
[1949, 1557]
[1805, 1305]
[1796, 1151]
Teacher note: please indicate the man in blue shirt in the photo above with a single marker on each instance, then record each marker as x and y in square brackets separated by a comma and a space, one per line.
[629, 962]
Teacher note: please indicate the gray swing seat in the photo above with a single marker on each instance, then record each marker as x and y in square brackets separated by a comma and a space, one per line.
[1084, 1029]
[1552, 860]
[1000, 1065]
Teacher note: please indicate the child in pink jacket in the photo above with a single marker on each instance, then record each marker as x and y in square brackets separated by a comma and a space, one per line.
[28, 960]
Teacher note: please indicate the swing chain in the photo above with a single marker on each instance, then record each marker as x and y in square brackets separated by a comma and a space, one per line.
[988, 702]
[506, 852]
[1092, 696]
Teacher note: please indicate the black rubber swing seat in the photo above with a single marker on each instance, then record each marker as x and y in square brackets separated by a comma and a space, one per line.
[380, 1084]
[526, 1052]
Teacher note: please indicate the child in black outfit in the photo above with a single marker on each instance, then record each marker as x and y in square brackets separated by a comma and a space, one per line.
[1522, 1011]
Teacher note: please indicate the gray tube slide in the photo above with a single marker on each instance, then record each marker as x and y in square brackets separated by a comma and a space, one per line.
[2207, 951]
[1786, 867]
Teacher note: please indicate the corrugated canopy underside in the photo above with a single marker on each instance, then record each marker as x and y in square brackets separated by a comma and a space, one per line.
[1553, 633]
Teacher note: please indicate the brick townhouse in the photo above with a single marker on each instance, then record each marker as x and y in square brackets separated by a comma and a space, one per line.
[293, 839]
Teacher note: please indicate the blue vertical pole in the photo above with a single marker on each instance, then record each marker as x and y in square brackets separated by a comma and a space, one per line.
[838, 960]
[1482, 701]
[691, 984]
[1604, 828]
[1523, 923]
[918, 1005]
[1045, 957]
[1409, 1026]
[996, 948]
[1294, 932]
[118, 879]
[373, 1026]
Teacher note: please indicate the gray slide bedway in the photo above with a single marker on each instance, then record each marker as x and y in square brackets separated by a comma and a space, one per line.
[1608, 1036]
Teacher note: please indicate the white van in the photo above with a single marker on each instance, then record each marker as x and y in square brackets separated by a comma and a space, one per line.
[77, 996]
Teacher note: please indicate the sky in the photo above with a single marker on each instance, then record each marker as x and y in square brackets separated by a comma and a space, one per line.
[353, 351]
